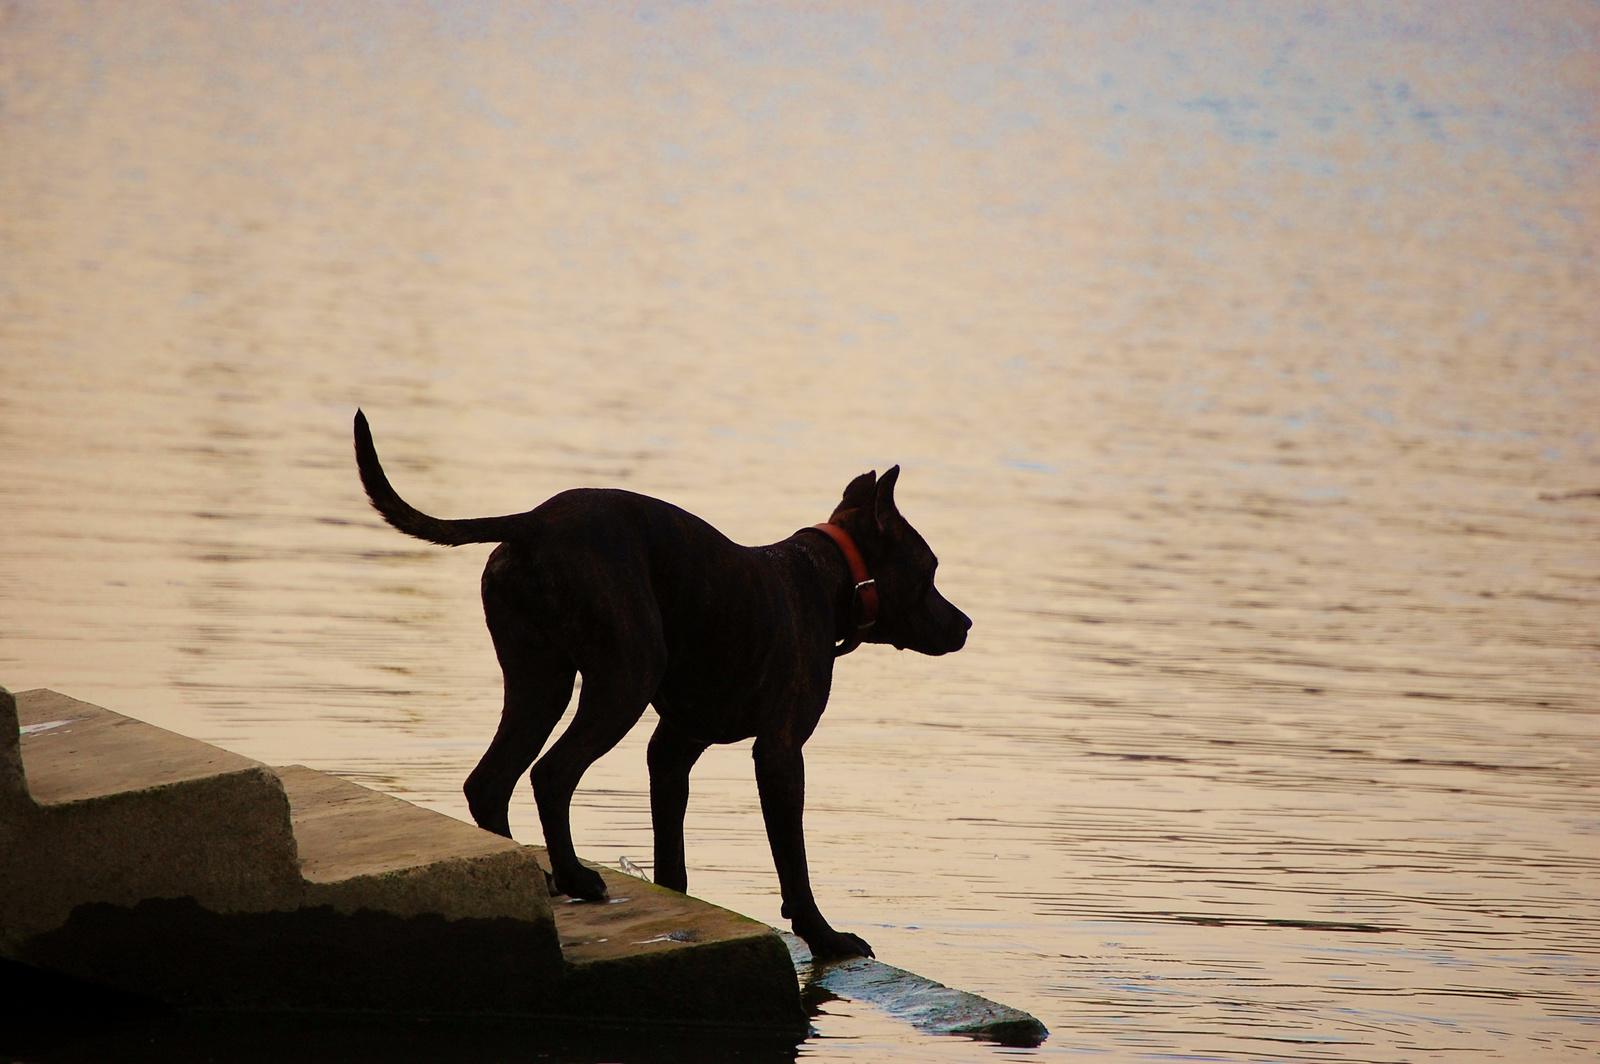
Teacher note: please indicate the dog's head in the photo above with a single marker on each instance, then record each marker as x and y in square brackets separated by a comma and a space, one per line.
[912, 615]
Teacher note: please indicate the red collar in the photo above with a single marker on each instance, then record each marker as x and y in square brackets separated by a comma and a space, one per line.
[866, 589]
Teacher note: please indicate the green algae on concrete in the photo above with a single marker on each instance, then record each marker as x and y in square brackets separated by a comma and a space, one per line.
[157, 864]
[681, 957]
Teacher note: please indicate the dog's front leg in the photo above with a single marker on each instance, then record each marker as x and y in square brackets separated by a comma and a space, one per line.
[672, 754]
[781, 779]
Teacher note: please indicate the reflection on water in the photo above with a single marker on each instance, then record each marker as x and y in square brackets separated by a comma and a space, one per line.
[1227, 353]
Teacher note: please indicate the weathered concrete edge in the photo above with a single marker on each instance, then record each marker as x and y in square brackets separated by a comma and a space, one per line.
[227, 842]
[485, 886]
[13, 780]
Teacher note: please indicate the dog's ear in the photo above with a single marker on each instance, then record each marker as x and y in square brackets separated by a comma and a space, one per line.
[859, 495]
[889, 519]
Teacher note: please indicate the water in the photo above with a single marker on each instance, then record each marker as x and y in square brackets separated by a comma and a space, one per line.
[1230, 353]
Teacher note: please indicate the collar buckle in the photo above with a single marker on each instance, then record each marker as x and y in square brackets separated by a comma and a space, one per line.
[865, 592]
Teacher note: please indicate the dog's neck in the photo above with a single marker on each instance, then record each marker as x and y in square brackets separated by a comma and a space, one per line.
[860, 598]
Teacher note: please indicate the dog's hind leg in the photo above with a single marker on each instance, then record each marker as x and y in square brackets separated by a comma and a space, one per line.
[612, 701]
[672, 754]
[538, 686]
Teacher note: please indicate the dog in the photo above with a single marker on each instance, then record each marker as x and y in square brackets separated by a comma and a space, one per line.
[655, 607]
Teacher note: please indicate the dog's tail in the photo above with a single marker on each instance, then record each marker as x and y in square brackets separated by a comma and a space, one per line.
[414, 522]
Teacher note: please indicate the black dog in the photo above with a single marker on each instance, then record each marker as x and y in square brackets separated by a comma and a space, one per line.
[654, 606]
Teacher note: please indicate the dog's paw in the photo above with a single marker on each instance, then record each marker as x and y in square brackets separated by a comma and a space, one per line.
[580, 882]
[830, 945]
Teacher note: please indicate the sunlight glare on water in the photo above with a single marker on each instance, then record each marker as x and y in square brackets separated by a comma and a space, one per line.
[1242, 361]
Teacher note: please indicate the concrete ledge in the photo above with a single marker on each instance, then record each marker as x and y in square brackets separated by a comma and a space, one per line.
[155, 864]
[164, 870]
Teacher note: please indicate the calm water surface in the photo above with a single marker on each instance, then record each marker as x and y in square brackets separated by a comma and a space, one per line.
[1243, 361]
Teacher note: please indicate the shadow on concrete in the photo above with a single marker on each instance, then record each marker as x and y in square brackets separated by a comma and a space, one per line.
[47, 1018]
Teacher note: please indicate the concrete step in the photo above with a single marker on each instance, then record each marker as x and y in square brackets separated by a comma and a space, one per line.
[100, 808]
[363, 849]
[152, 862]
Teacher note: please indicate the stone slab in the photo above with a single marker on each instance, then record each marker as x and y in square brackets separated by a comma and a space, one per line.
[924, 1004]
